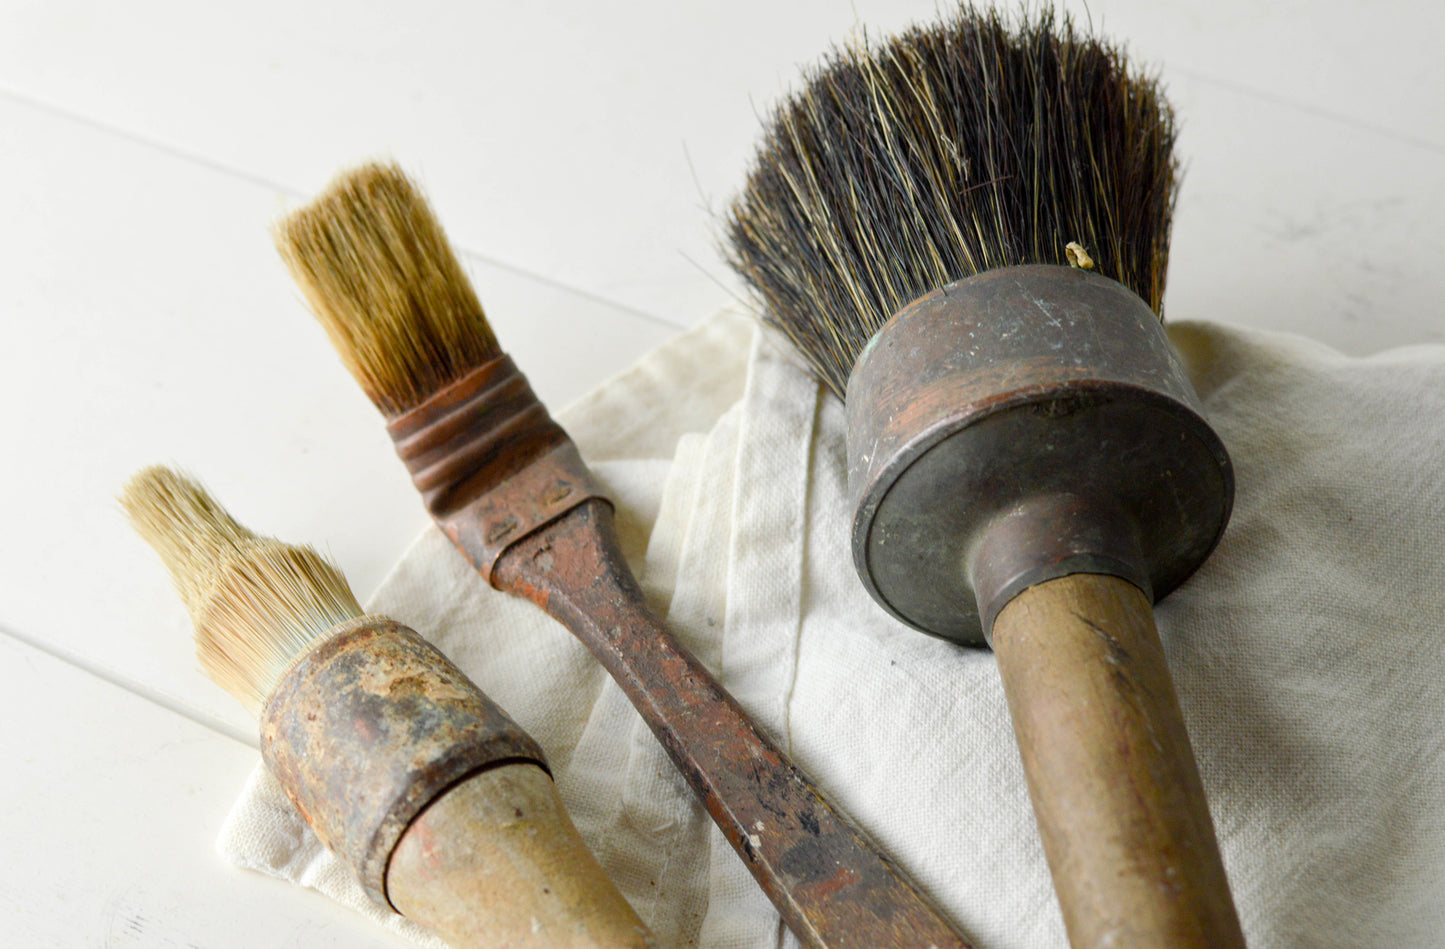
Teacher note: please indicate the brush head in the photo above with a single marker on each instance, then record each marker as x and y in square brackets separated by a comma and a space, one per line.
[381, 278]
[903, 166]
[254, 601]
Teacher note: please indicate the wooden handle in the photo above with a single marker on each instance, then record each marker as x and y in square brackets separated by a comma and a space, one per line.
[832, 885]
[496, 862]
[1117, 795]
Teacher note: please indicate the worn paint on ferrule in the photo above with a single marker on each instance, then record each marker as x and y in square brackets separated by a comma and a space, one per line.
[489, 461]
[370, 726]
[1041, 401]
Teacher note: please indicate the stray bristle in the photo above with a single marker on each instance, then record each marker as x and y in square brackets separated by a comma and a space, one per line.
[380, 276]
[944, 152]
[254, 601]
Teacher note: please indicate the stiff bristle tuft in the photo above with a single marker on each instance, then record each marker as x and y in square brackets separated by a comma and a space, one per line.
[269, 603]
[184, 524]
[381, 278]
[255, 602]
[938, 154]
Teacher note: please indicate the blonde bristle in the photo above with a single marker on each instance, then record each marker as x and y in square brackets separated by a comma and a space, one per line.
[270, 602]
[255, 602]
[184, 524]
[376, 269]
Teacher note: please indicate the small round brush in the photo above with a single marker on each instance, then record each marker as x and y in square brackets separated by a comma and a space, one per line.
[436, 800]
[964, 231]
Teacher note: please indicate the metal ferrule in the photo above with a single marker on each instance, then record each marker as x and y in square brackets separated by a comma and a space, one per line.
[370, 726]
[491, 464]
[1047, 536]
[1020, 425]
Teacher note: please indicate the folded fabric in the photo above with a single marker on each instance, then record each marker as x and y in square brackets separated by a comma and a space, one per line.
[1307, 653]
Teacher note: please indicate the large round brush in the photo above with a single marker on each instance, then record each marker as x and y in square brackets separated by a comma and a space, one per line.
[420, 784]
[964, 231]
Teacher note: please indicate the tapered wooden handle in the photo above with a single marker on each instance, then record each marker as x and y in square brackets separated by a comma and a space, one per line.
[496, 862]
[1117, 795]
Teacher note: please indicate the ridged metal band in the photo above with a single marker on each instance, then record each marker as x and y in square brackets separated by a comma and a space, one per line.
[491, 464]
[487, 423]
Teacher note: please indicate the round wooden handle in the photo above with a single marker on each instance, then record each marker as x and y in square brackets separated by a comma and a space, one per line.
[1117, 795]
[497, 862]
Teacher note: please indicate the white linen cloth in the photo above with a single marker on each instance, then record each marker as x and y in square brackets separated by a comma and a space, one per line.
[1308, 654]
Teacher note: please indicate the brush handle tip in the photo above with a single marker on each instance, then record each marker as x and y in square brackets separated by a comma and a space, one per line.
[497, 862]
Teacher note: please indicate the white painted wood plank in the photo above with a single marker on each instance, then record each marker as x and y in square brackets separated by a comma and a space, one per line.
[1293, 222]
[584, 142]
[111, 806]
[147, 319]
[579, 141]
[1370, 64]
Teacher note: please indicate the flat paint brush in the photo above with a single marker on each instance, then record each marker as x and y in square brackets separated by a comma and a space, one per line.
[964, 231]
[437, 801]
[506, 483]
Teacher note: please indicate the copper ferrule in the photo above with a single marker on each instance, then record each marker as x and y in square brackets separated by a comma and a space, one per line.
[371, 725]
[489, 461]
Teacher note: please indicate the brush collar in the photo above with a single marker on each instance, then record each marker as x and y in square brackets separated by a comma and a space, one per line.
[1038, 400]
[472, 434]
[370, 726]
[489, 461]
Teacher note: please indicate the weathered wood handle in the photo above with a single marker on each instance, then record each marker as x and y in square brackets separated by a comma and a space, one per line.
[496, 862]
[1115, 789]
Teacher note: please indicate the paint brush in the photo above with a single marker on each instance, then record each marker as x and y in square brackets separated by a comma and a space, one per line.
[438, 802]
[964, 230]
[508, 486]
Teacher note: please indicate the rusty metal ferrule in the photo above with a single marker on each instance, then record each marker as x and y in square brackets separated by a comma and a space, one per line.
[491, 464]
[371, 725]
[1019, 425]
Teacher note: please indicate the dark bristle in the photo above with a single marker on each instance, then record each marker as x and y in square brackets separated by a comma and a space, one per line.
[903, 166]
[381, 278]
